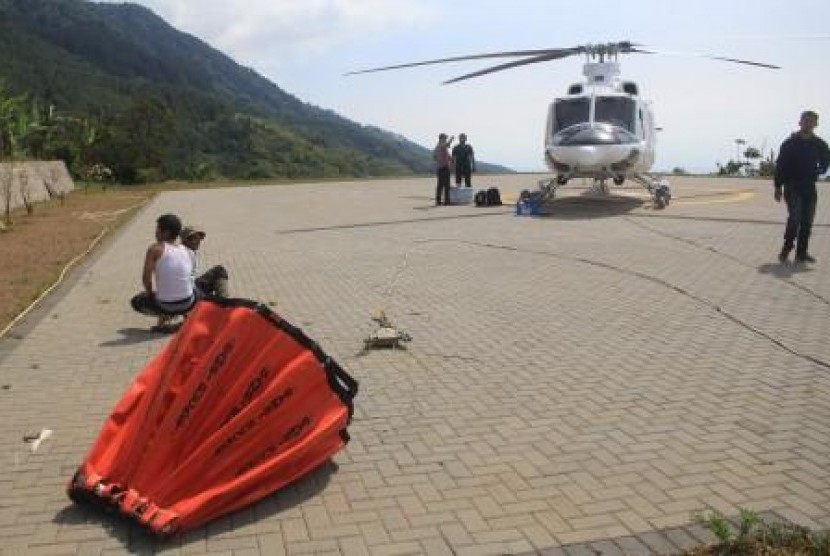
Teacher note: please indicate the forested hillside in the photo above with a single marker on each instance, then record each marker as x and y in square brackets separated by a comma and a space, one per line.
[115, 85]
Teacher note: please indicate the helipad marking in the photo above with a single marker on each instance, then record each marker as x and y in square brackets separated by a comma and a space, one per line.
[736, 197]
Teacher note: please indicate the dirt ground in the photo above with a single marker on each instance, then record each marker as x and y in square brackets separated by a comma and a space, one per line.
[36, 248]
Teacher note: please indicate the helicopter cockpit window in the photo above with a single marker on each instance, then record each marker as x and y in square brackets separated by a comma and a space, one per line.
[570, 112]
[617, 111]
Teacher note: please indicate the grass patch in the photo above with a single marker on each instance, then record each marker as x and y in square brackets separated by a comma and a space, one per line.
[752, 535]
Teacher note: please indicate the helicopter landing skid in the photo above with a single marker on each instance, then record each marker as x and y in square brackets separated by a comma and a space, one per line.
[658, 188]
[547, 189]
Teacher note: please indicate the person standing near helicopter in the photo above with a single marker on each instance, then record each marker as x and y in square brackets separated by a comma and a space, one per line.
[464, 160]
[802, 158]
[443, 160]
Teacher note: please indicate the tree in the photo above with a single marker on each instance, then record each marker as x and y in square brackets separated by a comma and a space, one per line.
[739, 143]
[766, 168]
[135, 144]
[731, 168]
[751, 154]
[12, 121]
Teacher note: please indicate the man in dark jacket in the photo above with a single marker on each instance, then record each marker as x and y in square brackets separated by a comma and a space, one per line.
[464, 160]
[803, 157]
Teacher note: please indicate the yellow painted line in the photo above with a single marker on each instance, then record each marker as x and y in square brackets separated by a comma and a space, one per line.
[737, 197]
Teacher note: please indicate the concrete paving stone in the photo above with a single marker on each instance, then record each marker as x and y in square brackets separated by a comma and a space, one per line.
[580, 550]
[271, 544]
[701, 534]
[313, 547]
[632, 546]
[681, 538]
[437, 546]
[353, 546]
[61, 549]
[552, 551]
[611, 364]
[606, 548]
[588, 535]
[658, 543]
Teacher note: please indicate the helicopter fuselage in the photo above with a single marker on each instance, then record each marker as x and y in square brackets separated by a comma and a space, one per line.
[601, 129]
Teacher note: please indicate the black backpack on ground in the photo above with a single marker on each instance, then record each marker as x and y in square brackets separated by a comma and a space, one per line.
[493, 197]
[481, 198]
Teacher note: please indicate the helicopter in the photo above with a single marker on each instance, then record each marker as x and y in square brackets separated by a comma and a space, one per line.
[601, 129]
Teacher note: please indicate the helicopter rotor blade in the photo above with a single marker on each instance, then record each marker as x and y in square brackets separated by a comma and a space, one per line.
[552, 55]
[746, 62]
[721, 58]
[506, 54]
[548, 54]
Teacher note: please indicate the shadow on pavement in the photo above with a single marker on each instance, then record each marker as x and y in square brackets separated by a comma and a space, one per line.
[577, 208]
[783, 270]
[137, 540]
[132, 336]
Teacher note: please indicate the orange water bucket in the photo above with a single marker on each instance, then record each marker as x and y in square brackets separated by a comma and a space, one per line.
[239, 404]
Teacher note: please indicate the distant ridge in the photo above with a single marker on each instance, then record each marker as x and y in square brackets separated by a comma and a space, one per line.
[164, 104]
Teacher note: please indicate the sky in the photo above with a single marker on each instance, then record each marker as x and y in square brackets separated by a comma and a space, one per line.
[702, 105]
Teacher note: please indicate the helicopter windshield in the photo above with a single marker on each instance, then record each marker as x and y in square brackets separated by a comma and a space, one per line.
[570, 112]
[617, 111]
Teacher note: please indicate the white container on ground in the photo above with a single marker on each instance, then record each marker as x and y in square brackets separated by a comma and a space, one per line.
[461, 195]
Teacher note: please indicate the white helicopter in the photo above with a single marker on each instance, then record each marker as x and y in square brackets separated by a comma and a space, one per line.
[602, 128]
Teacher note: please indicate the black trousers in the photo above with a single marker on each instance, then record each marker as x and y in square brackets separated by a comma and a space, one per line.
[443, 185]
[147, 304]
[801, 206]
[466, 173]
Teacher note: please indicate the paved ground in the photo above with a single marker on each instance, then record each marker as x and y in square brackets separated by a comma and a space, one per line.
[599, 374]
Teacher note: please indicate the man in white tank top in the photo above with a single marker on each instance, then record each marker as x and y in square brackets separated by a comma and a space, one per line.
[170, 265]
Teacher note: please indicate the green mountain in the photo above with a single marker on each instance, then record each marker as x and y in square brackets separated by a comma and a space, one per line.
[133, 93]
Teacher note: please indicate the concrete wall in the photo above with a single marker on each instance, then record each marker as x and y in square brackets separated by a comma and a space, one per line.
[39, 178]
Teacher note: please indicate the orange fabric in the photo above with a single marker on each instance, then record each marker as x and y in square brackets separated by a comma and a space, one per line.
[237, 405]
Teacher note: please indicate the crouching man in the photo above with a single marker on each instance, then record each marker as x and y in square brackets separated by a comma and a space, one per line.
[215, 280]
[170, 266]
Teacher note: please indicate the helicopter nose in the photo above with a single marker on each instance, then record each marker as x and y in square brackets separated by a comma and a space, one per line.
[593, 156]
[594, 135]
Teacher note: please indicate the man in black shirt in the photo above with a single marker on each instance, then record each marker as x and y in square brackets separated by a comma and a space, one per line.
[465, 163]
[803, 157]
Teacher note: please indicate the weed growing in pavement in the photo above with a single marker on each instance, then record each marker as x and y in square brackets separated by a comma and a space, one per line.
[754, 536]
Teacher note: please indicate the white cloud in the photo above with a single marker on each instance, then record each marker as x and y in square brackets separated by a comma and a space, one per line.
[260, 29]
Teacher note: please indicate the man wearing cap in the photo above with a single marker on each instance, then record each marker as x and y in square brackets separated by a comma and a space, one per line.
[214, 281]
